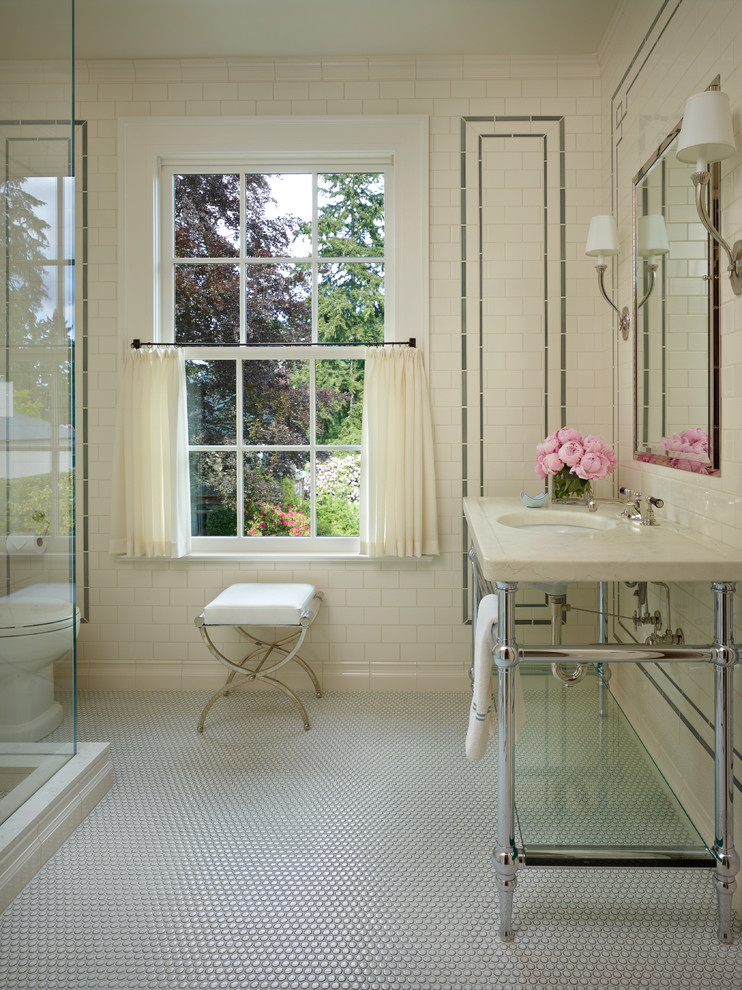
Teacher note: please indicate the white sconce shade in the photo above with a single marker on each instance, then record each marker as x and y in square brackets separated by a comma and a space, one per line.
[602, 237]
[707, 134]
[652, 236]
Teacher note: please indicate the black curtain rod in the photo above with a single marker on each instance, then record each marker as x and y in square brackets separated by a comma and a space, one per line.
[411, 342]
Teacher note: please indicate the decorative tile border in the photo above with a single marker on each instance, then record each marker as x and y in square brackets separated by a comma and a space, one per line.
[480, 180]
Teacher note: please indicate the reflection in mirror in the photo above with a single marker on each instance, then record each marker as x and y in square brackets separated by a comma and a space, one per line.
[676, 316]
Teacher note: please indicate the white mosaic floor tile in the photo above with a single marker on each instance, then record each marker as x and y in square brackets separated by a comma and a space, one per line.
[355, 856]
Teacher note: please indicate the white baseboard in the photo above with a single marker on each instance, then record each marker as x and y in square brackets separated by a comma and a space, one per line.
[209, 675]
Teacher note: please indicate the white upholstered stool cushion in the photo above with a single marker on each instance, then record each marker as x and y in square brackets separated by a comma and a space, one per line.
[260, 605]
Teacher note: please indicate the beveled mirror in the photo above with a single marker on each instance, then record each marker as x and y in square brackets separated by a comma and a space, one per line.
[676, 316]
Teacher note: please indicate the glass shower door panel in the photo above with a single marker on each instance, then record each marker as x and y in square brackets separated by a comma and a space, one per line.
[39, 620]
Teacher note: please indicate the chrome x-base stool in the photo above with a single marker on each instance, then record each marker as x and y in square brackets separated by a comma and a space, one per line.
[272, 605]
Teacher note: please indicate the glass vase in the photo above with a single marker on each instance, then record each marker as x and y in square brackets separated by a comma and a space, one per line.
[568, 489]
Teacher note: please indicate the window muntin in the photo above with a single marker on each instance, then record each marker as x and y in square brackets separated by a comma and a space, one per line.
[277, 258]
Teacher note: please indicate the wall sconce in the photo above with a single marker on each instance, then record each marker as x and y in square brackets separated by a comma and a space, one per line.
[602, 242]
[707, 135]
[652, 243]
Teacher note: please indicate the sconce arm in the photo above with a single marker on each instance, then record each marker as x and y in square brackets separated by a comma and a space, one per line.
[700, 181]
[652, 269]
[624, 320]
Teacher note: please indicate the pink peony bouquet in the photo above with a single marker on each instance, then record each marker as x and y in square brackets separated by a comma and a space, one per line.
[568, 452]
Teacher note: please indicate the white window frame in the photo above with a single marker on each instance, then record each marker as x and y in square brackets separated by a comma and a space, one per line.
[399, 144]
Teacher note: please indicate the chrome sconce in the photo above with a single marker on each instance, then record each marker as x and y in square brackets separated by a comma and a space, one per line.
[652, 243]
[707, 135]
[602, 243]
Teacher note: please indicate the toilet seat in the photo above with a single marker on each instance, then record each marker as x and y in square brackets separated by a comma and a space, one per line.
[27, 619]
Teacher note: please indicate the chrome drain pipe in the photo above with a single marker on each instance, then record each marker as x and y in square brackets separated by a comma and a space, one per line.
[558, 606]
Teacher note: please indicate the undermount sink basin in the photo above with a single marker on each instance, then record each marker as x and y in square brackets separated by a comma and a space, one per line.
[557, 521]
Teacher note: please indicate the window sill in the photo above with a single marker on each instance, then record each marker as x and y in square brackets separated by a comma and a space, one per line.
[303, 557]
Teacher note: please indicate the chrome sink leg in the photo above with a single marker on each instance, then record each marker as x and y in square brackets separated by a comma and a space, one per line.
[727, 858]
[506, 856]
[604, 670]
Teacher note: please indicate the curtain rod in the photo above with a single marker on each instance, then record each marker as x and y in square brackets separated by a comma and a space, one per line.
[411, 342]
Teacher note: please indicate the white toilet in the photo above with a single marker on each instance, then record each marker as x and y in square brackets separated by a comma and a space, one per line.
[36, 629]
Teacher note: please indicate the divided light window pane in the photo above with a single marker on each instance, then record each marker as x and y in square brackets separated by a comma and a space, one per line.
[213, 487]
[211, 400]
[350, 303]
[338, 401]
[278, 303]
[275, 402]
[207, 303]
[276, 502]
[278, 212]
[207, 216]
[351, 215]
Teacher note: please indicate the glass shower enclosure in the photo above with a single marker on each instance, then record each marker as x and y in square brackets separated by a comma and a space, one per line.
[39, 619]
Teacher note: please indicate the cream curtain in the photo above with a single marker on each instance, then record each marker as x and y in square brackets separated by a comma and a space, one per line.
[398, 510]
[151, 499]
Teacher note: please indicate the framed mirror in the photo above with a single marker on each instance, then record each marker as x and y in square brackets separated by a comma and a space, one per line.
[676, 317]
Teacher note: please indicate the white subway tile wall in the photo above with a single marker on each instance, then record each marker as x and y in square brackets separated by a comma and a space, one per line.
[390, 623]
[690, 44]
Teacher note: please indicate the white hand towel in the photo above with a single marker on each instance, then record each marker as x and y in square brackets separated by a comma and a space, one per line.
[481, 714]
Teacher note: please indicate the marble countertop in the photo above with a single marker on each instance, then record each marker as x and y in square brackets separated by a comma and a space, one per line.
[624, 551]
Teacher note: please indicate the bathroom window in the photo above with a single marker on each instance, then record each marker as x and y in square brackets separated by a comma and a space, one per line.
[278, 281]
[275, 261]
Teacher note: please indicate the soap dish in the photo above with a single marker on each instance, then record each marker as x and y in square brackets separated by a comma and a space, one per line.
[534, 501]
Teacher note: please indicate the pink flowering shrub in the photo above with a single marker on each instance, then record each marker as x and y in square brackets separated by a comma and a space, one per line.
[568, 451]
[273, 520]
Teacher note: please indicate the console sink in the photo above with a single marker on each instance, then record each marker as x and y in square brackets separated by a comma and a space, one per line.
[557, 521]
[566, 545]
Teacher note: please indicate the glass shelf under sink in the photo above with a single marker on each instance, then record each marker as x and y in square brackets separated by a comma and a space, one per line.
[587, 791]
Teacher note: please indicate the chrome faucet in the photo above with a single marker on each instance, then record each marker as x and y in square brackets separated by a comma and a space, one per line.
[640, 508]
[633, 507]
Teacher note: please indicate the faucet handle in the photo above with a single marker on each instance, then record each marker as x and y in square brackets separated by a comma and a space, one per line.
[647, 515]
[632, 496]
